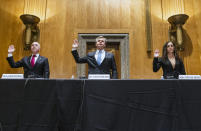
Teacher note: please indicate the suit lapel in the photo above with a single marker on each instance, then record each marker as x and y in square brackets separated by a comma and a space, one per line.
[104, 58]
[170, 64]
[176, 63]
[106, 55]
[29, 61]
[37, 61]
[94, 58]
[94, 55]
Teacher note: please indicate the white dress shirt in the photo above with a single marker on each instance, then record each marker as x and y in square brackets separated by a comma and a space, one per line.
[36, 57]
[102, 55]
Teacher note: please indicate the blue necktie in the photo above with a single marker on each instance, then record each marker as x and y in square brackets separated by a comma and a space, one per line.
[99, 57]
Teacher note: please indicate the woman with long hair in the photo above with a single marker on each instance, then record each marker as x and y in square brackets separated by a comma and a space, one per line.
[170, 62]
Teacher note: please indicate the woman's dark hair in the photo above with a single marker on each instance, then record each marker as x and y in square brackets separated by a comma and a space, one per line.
[165, 53]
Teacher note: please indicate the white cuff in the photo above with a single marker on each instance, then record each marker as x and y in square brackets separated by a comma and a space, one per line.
[156, 55]
[10, 54]
[74, 49]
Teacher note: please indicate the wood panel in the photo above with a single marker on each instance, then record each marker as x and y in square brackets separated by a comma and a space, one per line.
[192, 53]
[61, 18]
[197, 15]
[10, 32]
[39, 9]
[35, 7]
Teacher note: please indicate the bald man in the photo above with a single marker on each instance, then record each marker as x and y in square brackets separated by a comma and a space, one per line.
[35, 66]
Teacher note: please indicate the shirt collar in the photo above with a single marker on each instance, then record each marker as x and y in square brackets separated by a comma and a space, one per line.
[102, 51]
[36, 55]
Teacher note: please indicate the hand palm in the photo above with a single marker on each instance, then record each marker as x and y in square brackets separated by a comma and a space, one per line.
[75, 44]
[156, 53]
[11, 49]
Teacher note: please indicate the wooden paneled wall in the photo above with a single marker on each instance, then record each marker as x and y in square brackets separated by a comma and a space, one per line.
[61, 20]
[10, 32]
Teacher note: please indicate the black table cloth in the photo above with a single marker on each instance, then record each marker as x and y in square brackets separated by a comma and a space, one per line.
[100, 105]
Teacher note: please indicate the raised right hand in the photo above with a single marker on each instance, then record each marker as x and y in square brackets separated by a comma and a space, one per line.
[156, 53]
[75, 44]
[11, 49]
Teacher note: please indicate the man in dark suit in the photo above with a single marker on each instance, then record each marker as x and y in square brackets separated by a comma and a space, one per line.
[35, 66]
[100, 61]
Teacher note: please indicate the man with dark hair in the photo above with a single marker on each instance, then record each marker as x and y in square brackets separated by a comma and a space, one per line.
[100, 61]
[35, 66]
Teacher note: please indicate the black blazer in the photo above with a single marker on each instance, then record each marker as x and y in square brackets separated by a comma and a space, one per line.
[107, 65]
[168, 70]
[40, 69]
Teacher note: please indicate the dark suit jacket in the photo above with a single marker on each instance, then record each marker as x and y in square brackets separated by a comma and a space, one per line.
[40, 69]
[167, 67]
[106, 66]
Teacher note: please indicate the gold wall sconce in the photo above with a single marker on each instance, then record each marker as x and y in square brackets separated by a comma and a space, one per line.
[176, 29]
[32, 32]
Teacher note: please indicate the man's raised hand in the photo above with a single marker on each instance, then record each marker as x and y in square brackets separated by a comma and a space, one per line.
[75, 44]
[11, 49]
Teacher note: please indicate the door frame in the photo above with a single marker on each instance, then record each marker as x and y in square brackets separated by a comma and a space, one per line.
[121, 36]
